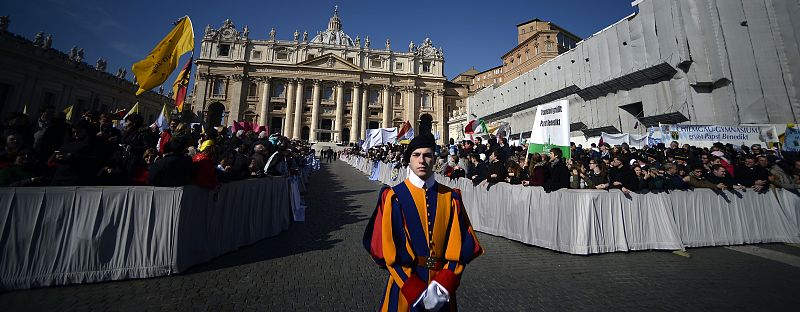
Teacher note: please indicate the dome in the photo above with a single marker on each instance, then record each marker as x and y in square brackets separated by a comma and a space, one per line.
[334, 34]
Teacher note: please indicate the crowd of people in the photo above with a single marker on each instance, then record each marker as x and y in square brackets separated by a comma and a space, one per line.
[602, 166]
[50, 151]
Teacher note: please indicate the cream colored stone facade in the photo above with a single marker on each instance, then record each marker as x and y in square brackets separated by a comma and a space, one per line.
[327, 88]
[537, 42]
[36, 75]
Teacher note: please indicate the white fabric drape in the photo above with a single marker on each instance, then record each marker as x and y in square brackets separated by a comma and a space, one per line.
[592, 221]
[64, 235]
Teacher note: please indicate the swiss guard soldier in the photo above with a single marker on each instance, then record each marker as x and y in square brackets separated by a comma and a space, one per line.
[421, 234]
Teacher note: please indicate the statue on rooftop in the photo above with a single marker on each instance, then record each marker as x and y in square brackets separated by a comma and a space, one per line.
[38, 40]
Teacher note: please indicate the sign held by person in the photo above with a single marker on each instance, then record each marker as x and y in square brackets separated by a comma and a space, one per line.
[550, 128]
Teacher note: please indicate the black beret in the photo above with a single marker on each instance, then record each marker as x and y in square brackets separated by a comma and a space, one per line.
[422, 141]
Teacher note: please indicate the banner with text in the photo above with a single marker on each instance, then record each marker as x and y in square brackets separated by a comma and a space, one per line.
[791, 140]
[550, 128]
[725, 134]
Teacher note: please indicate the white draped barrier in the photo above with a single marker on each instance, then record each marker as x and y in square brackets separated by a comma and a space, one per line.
[65, 235]
[592, 221]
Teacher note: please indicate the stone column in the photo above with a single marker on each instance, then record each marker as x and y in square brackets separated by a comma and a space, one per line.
[441, 116]
[412, 107]
[315, 110]
[263, 118]
[298, 110]
[337, 136]
[288, 122]
[235, 98]
[364, 112]
[200, 95]
[387, 109]
[355, 113]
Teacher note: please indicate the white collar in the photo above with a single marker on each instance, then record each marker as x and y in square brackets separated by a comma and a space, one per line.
[418, 182]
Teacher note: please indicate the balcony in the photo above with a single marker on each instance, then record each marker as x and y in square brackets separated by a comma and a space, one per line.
[278, 99]
[251, 98]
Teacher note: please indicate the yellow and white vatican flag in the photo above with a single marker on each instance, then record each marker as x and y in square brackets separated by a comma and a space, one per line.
[68, 112]
[163, 119]
[154, 69]
[133, 110]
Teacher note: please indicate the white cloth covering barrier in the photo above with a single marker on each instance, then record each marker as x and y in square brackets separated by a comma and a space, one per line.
[64, 235]
[592, 221]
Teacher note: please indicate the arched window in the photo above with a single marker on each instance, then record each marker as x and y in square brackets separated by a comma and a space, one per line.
[425, 101]
[346, 135]
[327, 93]
[374, 96]
[279, 89]
[218, 88]
[252, 90]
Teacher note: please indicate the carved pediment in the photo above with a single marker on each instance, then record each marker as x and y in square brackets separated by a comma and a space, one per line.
[330, 61]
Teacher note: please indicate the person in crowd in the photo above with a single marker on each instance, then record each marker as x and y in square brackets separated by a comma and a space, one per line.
[277, 163]
[225, 168]
[641, 176]
[496, 170]
[329, 155]
[719, 177]
[167, 134]
[538, 171]
[577, 176]
[621, 177]
[751, 175]
[170, 170]
[697, 179]
[74, 163]
[515, 173]
[136, 138]
[24, 170]
[205, 174]
[480, 172]
[558, 173]
[597, 175]
[139, 176]
[674, 181]
[113, 170]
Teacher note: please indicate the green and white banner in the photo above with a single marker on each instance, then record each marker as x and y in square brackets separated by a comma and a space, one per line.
[550, 128]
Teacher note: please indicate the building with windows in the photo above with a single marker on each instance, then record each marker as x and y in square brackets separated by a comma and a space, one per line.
[329, 87]
[684, 62]
[490, 77]
[35, 76]
[537, 42]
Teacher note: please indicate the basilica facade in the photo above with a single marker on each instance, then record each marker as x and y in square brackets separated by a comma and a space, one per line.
[330, 87]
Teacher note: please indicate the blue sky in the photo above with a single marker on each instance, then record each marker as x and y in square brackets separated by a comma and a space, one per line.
[472, 33]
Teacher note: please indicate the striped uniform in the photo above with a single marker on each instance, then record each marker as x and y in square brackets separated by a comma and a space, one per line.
[410, 223]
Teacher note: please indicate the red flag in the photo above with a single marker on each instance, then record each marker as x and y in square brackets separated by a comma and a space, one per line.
[404, 129]
[470, 128]
[181, 84]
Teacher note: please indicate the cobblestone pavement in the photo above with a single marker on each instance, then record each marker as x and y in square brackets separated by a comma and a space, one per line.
[319, 265]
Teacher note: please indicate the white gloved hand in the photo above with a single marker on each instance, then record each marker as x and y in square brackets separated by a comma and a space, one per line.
[435, 297]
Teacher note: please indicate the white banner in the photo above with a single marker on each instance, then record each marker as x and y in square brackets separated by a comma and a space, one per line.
[701, 133]
[380, 136]
[619, 138]
[551, 124]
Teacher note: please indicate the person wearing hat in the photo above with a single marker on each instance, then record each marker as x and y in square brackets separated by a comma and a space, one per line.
[421, 234]
[205, 174]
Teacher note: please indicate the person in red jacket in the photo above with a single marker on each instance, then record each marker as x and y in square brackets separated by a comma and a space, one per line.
[205, 168]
